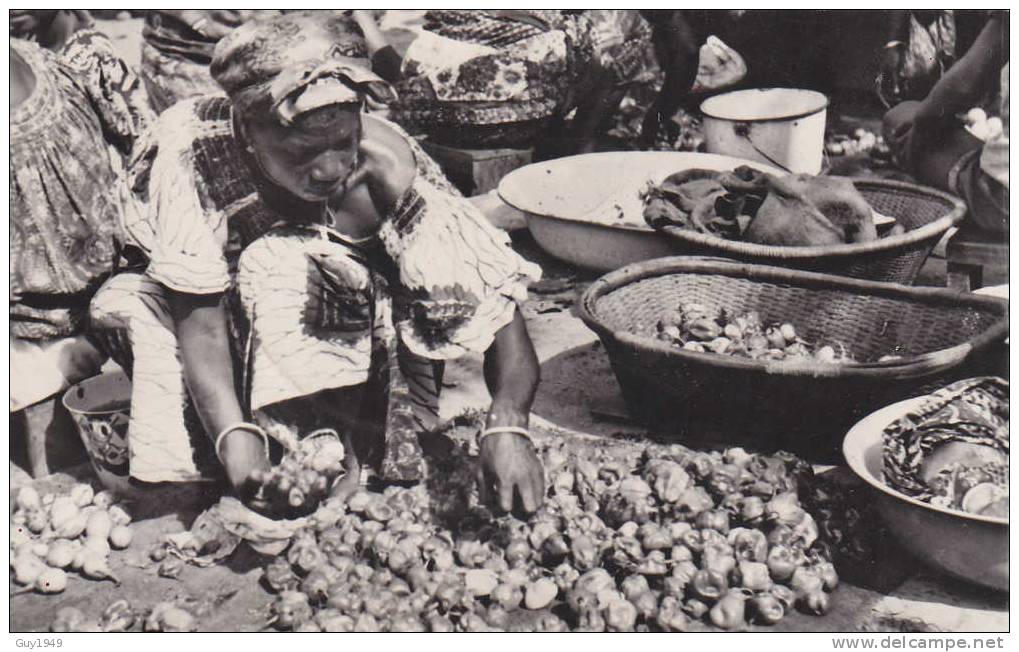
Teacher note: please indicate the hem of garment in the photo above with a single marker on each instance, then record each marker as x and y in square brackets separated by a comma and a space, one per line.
[177, 287]
[358, 378]
[158, 477]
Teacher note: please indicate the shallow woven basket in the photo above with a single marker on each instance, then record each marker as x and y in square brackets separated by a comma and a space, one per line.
[480, 125]
[939, 335]
[925, 213]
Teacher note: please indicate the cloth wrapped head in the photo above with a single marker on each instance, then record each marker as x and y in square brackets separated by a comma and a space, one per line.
[283, 66]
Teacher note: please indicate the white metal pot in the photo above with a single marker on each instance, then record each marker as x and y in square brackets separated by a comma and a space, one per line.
[783, 127]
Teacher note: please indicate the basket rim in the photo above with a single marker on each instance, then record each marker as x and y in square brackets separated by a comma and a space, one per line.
[828, 252]
[915, 366]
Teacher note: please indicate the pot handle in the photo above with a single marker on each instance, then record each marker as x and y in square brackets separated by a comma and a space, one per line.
[742, 130]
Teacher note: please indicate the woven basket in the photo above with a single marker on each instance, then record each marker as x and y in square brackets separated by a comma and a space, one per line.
[478, 125]
[940, 335]
[925, 213]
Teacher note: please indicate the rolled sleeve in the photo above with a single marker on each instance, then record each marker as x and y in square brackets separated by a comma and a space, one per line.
[187, 234]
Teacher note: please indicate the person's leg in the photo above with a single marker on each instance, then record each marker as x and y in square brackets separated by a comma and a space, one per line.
[592, 109]
[986, 199]
[940, 152]
[409, 408]
[130, 319]
[896, 126]
[926, 150]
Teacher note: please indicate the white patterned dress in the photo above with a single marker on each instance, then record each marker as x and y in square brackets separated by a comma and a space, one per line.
[314, 314]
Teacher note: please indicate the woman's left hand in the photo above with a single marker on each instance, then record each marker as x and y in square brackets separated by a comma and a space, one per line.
[510, 466]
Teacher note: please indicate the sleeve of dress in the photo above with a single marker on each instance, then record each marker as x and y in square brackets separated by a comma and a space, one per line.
[460, 280]
[181, 230]
[116, 91]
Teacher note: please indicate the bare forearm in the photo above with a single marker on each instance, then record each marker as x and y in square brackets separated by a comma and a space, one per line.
[964, 82]
[512, 374]
[208, 366]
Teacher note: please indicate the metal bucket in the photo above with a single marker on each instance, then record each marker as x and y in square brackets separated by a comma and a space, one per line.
[783, 127]
[101, 408]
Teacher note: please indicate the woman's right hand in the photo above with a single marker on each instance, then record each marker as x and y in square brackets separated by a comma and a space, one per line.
[243, 456]
[243, 452]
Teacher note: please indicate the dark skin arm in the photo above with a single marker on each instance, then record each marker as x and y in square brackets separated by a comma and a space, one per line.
[208, 373]
[963, 84]
[509, 463]
[677, 48]
[935, 143]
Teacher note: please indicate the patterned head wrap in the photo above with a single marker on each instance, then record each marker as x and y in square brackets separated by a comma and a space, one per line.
[296, 63]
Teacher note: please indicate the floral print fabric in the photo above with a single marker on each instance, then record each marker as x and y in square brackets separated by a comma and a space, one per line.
[481, 67]
[65, 189]
[491, 67]
[115, 90]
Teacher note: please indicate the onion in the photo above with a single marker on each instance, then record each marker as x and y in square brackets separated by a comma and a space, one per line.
[98, 546]
[94, 567]
[72, 527]
[36, 521]
[60, 554]
[82, 494]
[540, 594]
[99, 525]
[481, 581]
[27, 569]
[28, 499]
[118, 515]
[103, 499]
[51, 580]
[120, 537]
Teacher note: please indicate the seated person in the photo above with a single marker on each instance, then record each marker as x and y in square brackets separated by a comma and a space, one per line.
[73, 37]
[68, 133]
[309, 267]
[619, 40]
[921, 45]
[930, 143]
[177, 47]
